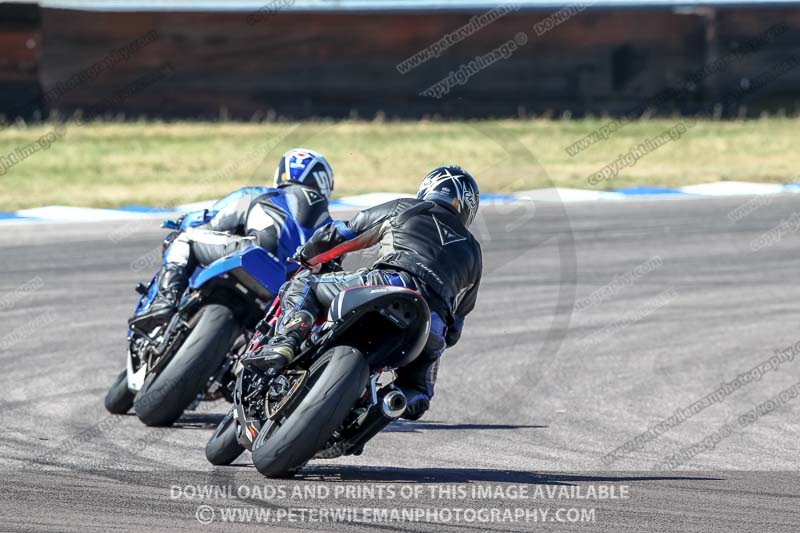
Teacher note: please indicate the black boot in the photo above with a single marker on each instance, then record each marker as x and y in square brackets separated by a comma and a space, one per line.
[418, 403]
[283, 347]
[172, 282]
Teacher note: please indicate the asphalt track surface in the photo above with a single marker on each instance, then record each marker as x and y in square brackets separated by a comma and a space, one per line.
[547, 379]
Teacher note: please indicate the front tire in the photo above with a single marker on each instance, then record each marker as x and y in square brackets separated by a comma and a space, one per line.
[119, 399]
[223, 448]
[164, 397]
[279, 452]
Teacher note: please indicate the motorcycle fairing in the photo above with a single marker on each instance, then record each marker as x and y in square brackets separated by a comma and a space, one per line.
[365, 313]
[254, 267]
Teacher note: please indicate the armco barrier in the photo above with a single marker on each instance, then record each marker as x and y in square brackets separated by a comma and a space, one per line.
[284, 63]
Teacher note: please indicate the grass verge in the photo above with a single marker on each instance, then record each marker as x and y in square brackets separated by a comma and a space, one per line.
[105, 164]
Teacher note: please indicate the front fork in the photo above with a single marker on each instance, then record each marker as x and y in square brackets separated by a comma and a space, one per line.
[154, 353]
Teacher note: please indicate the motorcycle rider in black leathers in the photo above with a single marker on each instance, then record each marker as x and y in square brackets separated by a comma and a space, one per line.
[277, 219]
[424, 245]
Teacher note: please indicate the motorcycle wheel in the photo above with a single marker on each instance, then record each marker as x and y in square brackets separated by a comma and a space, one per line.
[119, 399]
[163, 397]
[223, 448]
[280, 451]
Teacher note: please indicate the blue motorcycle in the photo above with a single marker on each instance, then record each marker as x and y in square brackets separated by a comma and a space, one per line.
[191, 358]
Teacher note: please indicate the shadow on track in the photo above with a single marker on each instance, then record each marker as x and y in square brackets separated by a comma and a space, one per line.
[198, 421]
[404, 426]
[469, 475]
[211, 420]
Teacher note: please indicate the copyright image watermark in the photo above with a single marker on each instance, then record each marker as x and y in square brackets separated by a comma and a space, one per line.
[475, 24]
[21, 292]
[706, 444]
[138, 85]
[400, 502]
[206, 514]
[76, 80]
[267, 10]
[148, 260]
[643, 149]
[560, 17]
[399, 492]
[687, 85]
[467, 70]
[46, 318]
[674, 133]
[108, 62]
[58, 133]
[682, 414]
[619, 283]
[769, 406]
[713, 439]
[649, 307]
[22, 153]
[786, 226]
[749, 207]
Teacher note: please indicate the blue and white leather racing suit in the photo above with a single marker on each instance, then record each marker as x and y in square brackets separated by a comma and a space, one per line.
[278, 220]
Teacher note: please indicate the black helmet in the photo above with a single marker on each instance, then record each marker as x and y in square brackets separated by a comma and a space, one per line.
[300, 165]
[453, 186]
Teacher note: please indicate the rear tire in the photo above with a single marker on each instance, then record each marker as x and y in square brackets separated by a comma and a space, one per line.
[287, 448]
[164, 397]
[119, 399]
[223, 448]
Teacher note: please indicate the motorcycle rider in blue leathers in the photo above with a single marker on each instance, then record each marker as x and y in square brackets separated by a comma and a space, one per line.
[278, 219]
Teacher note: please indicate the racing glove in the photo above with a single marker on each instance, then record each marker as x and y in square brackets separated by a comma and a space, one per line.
[453, 333]
[298, 258]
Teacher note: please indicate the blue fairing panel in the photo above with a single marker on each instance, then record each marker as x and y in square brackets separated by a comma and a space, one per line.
[256, 262]
[195, 218]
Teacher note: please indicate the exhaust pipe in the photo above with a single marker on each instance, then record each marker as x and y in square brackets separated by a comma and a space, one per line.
[393, 405]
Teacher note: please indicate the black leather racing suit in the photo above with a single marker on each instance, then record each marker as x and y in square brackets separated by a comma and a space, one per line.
[423, 245]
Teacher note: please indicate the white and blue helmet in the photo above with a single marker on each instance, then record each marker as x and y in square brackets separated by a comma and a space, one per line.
[300, 165]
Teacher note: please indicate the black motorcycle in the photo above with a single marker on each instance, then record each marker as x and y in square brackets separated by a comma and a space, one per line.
[336, 394]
